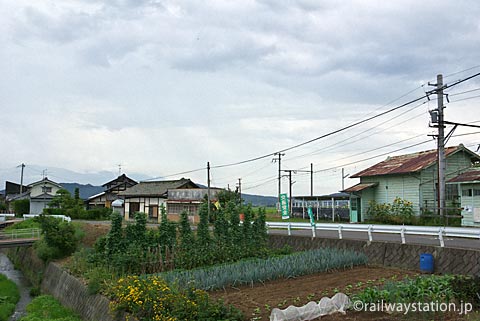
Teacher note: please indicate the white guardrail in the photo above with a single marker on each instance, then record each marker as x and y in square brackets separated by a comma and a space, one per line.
[402, 230]
[63, 217]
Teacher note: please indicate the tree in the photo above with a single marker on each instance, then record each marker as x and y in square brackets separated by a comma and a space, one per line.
[21, 207]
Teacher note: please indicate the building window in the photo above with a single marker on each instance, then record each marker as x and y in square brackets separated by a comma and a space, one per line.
[46, 189]
[153, 211]
[134, 207]
[467, 192]
[476, 192]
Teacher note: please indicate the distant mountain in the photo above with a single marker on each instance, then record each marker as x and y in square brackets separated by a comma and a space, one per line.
[259, 200]
[86, 190]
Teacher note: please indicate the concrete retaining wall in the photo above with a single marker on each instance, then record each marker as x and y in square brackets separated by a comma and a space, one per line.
[407, 256]
[72, 293]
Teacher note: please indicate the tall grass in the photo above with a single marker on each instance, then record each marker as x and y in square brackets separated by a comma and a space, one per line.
[9, 296]
[261, 270]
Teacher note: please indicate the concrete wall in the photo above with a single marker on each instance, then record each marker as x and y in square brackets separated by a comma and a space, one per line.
[72, 293]
[407, 256]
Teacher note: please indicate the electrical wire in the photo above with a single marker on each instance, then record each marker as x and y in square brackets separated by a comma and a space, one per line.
[354, 124]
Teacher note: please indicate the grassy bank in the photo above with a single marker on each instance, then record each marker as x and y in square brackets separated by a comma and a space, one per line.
[9, 296]
[47, 308]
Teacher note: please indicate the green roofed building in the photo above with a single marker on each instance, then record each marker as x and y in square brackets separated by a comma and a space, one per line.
[412, 177]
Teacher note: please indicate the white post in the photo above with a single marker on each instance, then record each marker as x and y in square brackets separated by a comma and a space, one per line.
[333, 209]
[440, 236]
[370, 237]
[313, 231]
[340, 236]
[402, 234]
[289, 229]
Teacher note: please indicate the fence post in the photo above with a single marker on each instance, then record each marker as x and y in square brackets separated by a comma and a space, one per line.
[402, 234]
[313, 231]
[289, 229]
[370, 236]
[440, 236]
[340, 236]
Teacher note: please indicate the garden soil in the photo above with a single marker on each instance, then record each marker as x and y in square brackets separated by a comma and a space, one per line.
[257, 301]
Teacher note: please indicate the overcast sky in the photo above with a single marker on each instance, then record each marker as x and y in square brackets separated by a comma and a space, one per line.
[162, 87]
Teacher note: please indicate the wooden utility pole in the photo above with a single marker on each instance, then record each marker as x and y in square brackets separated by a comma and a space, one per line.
[208, 188]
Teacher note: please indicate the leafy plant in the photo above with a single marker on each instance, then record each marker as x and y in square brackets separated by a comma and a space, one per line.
[260, 270]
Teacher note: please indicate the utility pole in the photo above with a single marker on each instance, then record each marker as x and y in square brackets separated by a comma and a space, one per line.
[289, 171]
[311, 179]
[208, 188]
[21, 177]
[438, 119]
[441, 147]
[279, 159]
[343, 178]
[240, 189]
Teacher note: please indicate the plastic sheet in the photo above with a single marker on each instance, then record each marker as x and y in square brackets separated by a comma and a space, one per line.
[312, 310]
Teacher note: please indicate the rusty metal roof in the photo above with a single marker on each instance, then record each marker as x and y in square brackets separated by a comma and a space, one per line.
[470, 176]
[409, 163]
[359, 187]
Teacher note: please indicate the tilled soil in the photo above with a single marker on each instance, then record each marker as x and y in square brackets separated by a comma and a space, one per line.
[257, 301]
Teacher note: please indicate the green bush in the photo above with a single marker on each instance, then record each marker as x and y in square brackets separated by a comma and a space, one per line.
[9, 296]
[60, 238]
[399, 212]
[21, 207]
[47, 308]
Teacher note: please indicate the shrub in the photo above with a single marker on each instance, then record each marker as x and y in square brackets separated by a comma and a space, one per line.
[399, 212]
[21, 207]
[60, 238]
[151, 298]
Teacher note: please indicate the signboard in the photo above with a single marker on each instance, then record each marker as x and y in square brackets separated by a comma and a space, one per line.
[310, 214]
[284, 206]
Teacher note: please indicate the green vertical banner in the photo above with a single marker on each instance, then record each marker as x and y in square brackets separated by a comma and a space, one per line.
[310, 214]
[284, 206]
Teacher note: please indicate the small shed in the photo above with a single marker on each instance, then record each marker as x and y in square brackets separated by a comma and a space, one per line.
[468, 185]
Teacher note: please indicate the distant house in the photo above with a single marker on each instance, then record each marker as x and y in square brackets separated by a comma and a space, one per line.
[147, 197]
[468, 185]
[189, 200]
[412, 177]
[39, 193]
[110, 194]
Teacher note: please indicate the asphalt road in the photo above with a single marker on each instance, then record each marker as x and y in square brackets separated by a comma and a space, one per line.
[462, 243]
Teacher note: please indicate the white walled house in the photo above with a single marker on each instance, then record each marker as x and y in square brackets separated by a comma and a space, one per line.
[41, 193]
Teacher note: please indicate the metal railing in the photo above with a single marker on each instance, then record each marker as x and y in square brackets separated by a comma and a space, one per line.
[28, 233]
[401, 230]
[63, 217]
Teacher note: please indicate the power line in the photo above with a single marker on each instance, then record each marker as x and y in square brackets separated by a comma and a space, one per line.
[354, 124]
[337, 145]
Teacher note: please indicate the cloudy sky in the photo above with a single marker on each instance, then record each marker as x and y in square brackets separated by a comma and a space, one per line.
[162, 87]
